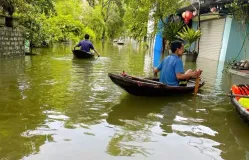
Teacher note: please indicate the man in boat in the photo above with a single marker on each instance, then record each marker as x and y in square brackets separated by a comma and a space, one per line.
[86, 45]
[171, 68]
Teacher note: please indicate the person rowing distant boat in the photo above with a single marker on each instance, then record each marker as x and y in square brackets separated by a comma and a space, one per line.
[86, 45]
[171, 68]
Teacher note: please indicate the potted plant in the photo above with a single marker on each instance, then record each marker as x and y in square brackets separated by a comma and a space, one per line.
[190, 36]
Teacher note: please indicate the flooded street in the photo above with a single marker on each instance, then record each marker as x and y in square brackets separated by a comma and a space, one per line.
[55, 107]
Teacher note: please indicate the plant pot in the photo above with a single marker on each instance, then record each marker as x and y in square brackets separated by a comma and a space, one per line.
[12, 22]
[191, 57]
[2, 20]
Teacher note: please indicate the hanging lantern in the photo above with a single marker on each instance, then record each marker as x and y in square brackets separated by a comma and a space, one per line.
[213, 9]
[186, 21]
[188, 15]
[183, 15]
[194, 13]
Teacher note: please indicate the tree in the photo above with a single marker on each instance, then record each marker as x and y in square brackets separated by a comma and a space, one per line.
[137, 14]
[11, 6]
[112, 12]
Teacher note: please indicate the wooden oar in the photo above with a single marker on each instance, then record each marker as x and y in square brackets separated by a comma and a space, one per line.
[196, 85]
[238, 95]
[146, 83]
[144, 80]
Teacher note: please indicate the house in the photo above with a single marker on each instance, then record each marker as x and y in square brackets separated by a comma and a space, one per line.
[222, 37]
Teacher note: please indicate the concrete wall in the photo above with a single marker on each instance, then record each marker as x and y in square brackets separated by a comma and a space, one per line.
[225, 40]
[233, 37]
[11, 42]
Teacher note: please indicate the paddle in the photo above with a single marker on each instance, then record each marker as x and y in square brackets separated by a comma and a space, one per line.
[141, 79]
[237, 95]
[197, 81]
[144, 80]
[96, 52]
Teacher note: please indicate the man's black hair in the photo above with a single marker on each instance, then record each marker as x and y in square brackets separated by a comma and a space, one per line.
[87, 36]
[176, 44]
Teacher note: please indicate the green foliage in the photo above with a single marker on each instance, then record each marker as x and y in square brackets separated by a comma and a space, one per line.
[93, 19]
[190, 35]
[240, 11]
[164, 8]
[171, 30]
[136, 21]
[137, 14]
[63, 20]
[8, 6]
[42, 6]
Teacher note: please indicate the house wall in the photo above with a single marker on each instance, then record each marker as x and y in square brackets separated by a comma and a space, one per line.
[233, 37]
[235, 41]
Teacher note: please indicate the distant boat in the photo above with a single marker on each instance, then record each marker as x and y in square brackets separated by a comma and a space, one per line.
[82, 55]
[120, 42]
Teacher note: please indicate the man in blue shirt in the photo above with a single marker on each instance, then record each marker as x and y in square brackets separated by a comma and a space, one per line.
[86, 45]
[171, 68]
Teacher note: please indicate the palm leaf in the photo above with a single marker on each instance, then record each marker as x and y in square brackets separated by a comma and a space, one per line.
[171, 30]
[190, 35]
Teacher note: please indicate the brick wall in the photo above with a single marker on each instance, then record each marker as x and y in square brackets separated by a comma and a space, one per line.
[11, 42]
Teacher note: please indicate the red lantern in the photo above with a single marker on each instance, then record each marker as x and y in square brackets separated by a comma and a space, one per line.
[188, 15]
[186, 21]
[213, 9]
[184, 15]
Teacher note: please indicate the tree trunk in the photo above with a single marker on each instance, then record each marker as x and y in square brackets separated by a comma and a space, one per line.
[103, 35]
[30, 46]
[199, 26]
[164, 45]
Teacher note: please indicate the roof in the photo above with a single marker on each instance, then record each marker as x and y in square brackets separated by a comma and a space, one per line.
[205, 7]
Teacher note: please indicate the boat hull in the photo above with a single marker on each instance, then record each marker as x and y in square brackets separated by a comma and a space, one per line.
[242, 112]
[140, 88]
[82, 55]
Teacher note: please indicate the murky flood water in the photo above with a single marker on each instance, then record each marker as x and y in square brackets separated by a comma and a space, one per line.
[55, 107]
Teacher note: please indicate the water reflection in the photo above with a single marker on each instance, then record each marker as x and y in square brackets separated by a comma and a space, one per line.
[55, 107]
[141, 120]
[15, 116]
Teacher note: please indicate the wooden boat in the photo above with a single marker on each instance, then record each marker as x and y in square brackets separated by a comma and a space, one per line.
[150, 87]
[120, 42]
[82, 55]
[243, 113]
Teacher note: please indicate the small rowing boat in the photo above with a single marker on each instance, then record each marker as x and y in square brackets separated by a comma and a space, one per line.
[150, 86]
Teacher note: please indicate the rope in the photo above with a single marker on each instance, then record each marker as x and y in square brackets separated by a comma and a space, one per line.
[242, 44]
